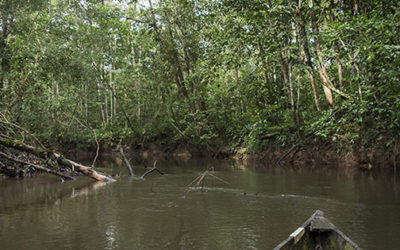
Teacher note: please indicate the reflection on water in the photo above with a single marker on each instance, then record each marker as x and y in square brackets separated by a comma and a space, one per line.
[31, 192]
[259, 208]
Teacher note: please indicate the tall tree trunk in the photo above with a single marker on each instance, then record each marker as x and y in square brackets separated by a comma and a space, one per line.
[5, 60]
[99, 95]
[291, 95]
[106, 105]
[354, 66]
[287, 78]
[340, 69]
[263, 64]
[171, 55]
[303, 40]
[337, 53]
[298, 102]
[321, 66]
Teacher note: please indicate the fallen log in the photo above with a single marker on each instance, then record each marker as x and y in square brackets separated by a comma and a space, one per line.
[12, 171]
[60, 159]
[37, 167]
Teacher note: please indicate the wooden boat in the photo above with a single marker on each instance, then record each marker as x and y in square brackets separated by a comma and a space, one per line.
[317, 233]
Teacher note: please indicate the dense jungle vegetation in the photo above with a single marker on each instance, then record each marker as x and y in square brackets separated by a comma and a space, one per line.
[250, 74]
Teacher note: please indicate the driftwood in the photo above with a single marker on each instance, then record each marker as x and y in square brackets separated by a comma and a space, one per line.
[154, 168]
[37, 167]
[60, 159]
[126, 161]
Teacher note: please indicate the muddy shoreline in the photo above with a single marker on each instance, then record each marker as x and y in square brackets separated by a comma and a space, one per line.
[309, 156]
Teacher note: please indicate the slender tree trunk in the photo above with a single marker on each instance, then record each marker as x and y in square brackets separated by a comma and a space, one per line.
[5, 61]
[303, 39]
[358, 79]
[340, 70]
[286, 69]
[298, 101]
[321, 66]
[135, 84]
[115, 99]
[86, 103]
[314, 90]
[291, 95]
[337, 54]
[263, 63]
[111, 95]
[328, 95]
[355, 66]
[114, 89]
[99, 95]
[171, 55]
[106, 105]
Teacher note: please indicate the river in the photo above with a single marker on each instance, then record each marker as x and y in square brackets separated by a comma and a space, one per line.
[258, 209]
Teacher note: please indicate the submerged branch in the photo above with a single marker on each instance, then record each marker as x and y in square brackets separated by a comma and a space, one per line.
[202, 176]
[154, 168]
[200, 179]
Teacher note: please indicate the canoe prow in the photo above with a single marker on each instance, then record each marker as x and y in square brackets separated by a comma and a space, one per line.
[317, 233]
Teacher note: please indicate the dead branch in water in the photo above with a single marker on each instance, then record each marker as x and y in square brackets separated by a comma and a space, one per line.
[199, 180]
[203, 175]
[126, 161]
[154, 168]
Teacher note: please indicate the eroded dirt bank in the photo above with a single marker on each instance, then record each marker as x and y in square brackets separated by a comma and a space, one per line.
[301, 157]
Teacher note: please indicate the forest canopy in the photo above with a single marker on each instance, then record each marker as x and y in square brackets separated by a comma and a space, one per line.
[230, 72]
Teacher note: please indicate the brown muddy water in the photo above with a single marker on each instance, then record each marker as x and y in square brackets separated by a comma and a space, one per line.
[259, 209]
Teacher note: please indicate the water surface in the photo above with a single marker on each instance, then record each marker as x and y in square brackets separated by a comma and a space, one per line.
[259, 209]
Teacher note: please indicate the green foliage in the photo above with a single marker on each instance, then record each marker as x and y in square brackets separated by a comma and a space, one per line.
[199, 72]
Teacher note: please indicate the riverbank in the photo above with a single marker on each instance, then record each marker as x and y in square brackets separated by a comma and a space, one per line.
[301, 156]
